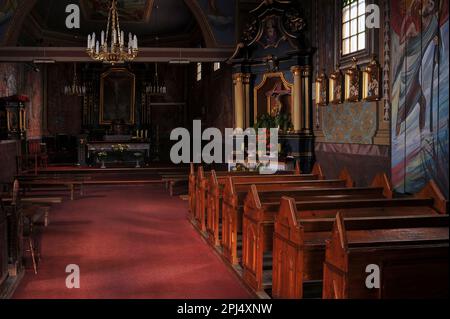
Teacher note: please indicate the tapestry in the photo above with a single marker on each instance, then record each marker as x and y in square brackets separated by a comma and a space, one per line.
[419, 94]
[354, 123]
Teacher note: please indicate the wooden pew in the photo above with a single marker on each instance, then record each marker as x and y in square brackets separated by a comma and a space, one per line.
[233, 204]
[202, 189]
[71, 185]
[299, 246]
[214, 193]
[412, 257]
[260, 209]
[202, 182]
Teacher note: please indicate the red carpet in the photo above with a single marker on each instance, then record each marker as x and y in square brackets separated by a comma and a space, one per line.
[130, 242]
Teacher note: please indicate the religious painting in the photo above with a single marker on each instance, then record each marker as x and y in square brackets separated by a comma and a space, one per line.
[335, 87]
[7, 9]
[117, 97]
[352, 86]
[271, 34]
[322, 89]
[371, 81]
[221, 19]
[420, 94]
[136, 10]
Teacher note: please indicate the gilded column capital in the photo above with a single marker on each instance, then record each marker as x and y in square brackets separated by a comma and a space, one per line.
[296, 70]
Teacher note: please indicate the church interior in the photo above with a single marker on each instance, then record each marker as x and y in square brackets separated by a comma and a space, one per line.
[101, 199]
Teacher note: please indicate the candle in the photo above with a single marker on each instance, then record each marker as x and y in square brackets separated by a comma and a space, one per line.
[103, 37]
[89, 41]
[97, 47]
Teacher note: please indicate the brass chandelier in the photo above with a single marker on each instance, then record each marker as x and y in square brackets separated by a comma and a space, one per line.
[75, 88]
[115, 51]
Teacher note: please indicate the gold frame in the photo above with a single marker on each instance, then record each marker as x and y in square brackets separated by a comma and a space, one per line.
[321, 86]
[371, 72]
[352, 79]
[335, 79]
[267, 76]
[132, 119]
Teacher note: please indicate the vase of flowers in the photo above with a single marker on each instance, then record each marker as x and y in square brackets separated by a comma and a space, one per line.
[138, 156]
[101, 156]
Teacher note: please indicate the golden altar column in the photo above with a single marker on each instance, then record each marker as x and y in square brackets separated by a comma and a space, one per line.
[241, 88]
[297, 112]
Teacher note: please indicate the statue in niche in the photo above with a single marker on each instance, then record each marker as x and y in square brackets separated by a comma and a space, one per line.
[276, 98]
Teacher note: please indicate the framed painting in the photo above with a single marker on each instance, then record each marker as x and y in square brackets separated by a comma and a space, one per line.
[336, 87]
[117, 96]
[322, 89]
[352, 83]
[371, 81]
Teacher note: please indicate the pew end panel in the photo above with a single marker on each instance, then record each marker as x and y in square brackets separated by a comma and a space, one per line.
[192, 180]
[345, 175]
[382, 180]
[317, 170]
[411, 255]
[431, 190]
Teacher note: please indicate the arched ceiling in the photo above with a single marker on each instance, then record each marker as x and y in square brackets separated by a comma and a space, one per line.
[156, 22]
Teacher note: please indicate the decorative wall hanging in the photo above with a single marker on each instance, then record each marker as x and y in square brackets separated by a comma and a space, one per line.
[322, 89]
[352, 83]
[371, 81]
[336, 85]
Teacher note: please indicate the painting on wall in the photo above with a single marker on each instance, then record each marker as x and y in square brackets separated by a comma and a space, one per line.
[7, 9]
[221, 18]
[117, 96]
[135, 10]
[420, 46]
[271, 34]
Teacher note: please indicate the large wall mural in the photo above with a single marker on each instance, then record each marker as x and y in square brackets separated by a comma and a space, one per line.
[221, 18]
[420, 119]
[7, 11]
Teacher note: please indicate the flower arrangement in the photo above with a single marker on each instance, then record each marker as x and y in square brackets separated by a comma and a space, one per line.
[102, 155]
[120, 148]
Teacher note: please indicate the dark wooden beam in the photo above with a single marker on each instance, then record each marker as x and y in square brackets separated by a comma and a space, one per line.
[77, 54]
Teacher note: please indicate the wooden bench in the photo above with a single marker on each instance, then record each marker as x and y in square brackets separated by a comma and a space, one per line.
[211, 197]
[233, 206]
[260, 209]
[199, 184]
[71, 184]
[299, 241]
[202, 189]
[231, 192]
[412, 257]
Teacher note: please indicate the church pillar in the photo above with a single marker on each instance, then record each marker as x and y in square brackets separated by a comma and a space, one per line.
[241, 85]
[306, 97]
[297, 117]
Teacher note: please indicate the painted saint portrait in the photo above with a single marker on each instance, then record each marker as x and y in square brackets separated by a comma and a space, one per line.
[117, 96]
[271, 35]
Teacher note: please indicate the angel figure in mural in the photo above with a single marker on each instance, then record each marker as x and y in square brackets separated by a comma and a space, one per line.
[420, 34]
[216, 16]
